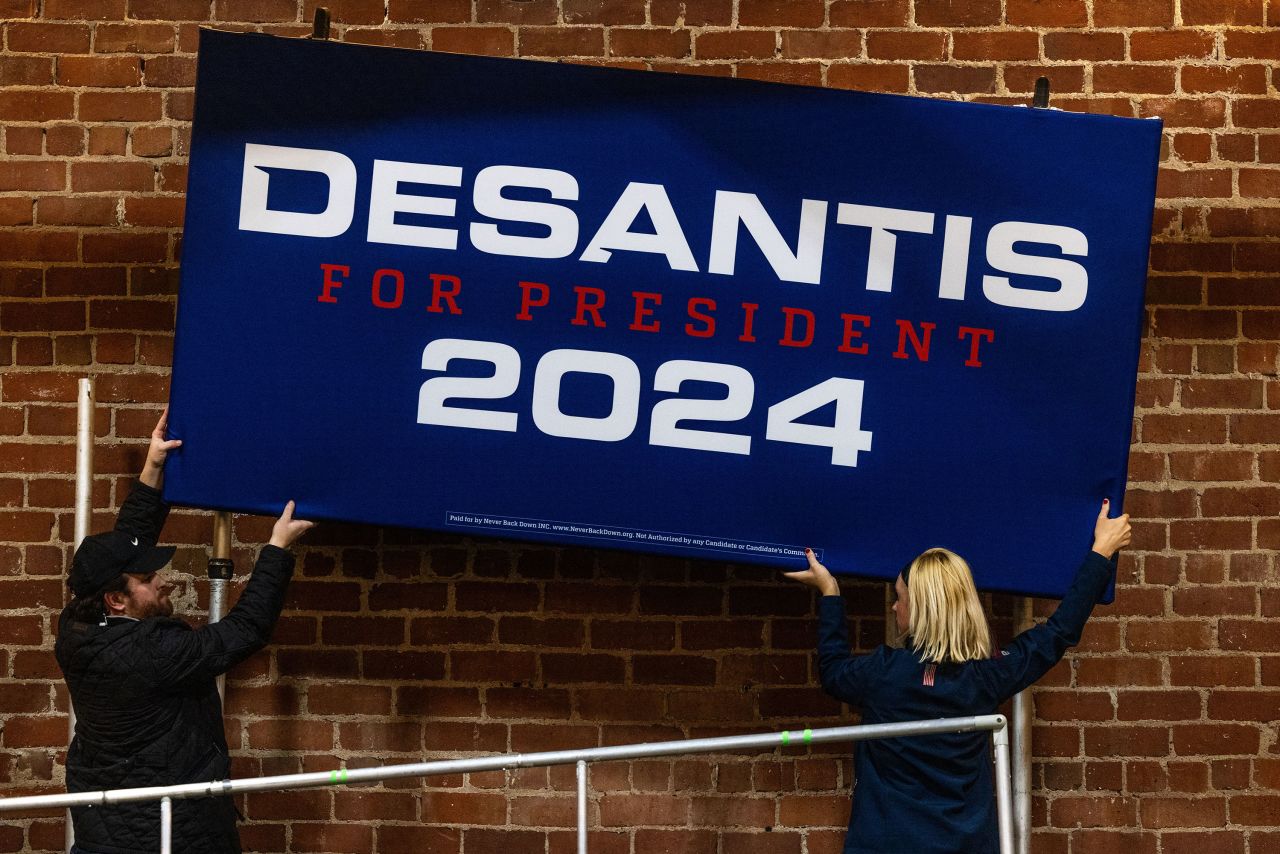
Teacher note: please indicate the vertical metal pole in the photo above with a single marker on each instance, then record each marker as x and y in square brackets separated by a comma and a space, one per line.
[1004, 809]
[220, 571]
[84, 518]
[582, 807]
[166, 825]
[1023, 714]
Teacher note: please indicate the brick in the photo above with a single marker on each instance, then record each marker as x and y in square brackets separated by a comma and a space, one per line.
[1164, 635]
[126, 247]
[436, 12]
[1242, 705]
[151, 141]
[673, 44]
[401, 664]
[60, 316]
[955, 78]
[907, 45]
[33, 175]
[554, 41]
[1187, 112]
[880, 77]
[95, 177]
[482, 666]
[76, 210]
[1183, 812]
[1211, 671]
[108, 140]
[34, 105]
[464, 807]
[494, 41]
[120, 106]
[84, 10]
[639, 704]
[1245, 13]
[957, 13]
[134, 38]
[1089, 46]
[734, 45]
[996, 45]
[389, 737]
[1133, 13]
[1218, 739]
[172, 10]
[289, 734]
[47, 38]
[1158, 705]
[26, 71]
[1253, 810]
[576, 668]
[823, 44]
[1110, 671]
[1154, 45]
[256, 11]
[1251, 502]
[1144, 79]
[99, 71]
[36, 731]
[64, 140]
[1242, 79]
[1093, 812]
[781, 13]
[171, 72]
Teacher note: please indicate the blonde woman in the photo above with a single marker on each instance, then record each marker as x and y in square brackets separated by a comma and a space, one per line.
[933, 794]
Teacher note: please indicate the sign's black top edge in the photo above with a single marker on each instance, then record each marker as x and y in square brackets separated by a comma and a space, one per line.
[1047, 114]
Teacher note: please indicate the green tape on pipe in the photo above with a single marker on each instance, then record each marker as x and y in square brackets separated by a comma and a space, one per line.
[786, 737]
[339, 776]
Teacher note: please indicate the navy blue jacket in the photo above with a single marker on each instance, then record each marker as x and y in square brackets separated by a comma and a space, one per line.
[934, 794]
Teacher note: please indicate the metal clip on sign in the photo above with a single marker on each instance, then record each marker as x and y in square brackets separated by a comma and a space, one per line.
[1040, 100]
[320, 26]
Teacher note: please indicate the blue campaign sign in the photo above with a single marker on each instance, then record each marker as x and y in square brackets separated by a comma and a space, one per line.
[713, 318]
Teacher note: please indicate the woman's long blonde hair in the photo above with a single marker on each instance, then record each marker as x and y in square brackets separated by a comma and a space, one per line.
[946, 622]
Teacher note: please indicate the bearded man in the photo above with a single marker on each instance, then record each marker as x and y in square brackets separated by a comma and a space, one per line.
[143, 684]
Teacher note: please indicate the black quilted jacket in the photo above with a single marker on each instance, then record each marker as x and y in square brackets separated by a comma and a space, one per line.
[147, 706]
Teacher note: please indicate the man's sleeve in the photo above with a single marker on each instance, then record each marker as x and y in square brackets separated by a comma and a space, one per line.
[846, 677]
[182, 656]
[1038, 649]
[143, 513]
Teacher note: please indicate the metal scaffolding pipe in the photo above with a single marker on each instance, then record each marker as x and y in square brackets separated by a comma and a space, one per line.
[166, 826]
[995, 724]
[218, 788]
[582, 807]
[1023, 713]
[83, 517]
[1004, 814]
[221, 569]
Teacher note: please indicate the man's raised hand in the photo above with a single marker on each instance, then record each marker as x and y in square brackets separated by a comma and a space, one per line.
[287, 529]
[158, 452]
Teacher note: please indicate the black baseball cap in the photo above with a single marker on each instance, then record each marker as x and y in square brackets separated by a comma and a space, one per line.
[102, 558]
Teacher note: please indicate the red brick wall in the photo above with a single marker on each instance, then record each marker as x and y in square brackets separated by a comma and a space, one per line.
[1158, 735]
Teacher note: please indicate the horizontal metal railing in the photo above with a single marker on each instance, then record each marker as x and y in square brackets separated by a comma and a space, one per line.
[995, 724]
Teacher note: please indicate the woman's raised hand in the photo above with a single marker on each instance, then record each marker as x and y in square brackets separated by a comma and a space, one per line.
[1110, 535]
[816, 575]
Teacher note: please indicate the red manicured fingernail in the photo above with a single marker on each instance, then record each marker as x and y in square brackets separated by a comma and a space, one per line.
[808, 551]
